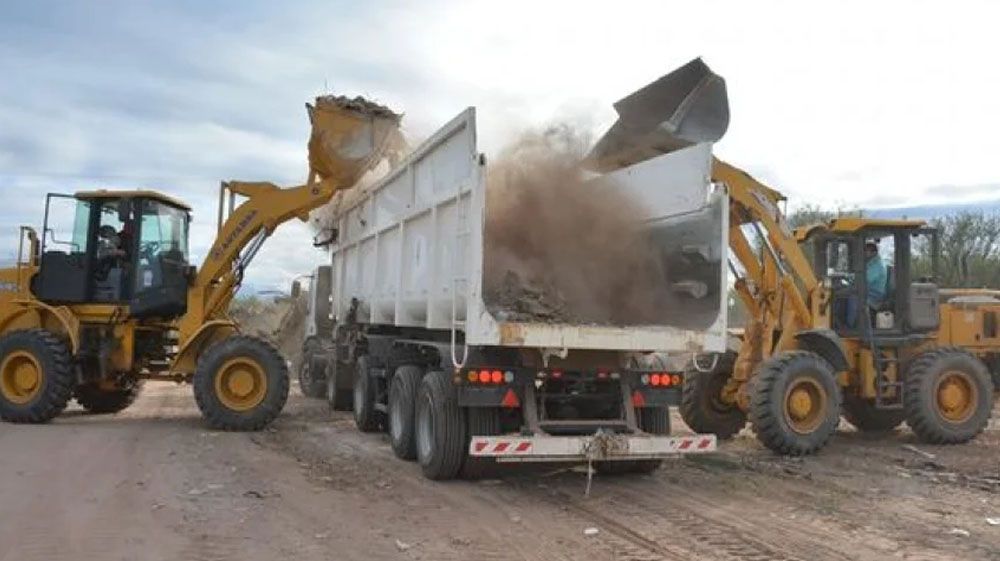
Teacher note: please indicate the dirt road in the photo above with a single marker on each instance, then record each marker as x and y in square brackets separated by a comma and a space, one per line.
[151, 483]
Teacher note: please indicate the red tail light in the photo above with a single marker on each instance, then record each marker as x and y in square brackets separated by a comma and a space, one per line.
[637, 399]
[496, 377]
[484, 377]
[654, 380]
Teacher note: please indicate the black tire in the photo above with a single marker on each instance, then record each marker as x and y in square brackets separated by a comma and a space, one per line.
[55, 377]
[932, 420]
[103, 402]
[338, 395]
[780, 429]
[482, 421]
[867, 418]
[267, 396]
[440, 428]
[701, 407]
[366, 417]
[402, 405]
[653, 420]
[311, 370]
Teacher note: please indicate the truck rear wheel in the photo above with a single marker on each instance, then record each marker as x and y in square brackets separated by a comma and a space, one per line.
[482, 421]
[440, 428]
[366, 417]
[652, 420]
[702, 407]
[794, 403]
[339, 395]
[402, 404]
[311, 369]
[101, 401]
[948, 396]
[865, 417]
[240, 384]
[36, 376]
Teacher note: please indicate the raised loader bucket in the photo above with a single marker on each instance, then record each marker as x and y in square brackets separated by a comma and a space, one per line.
[687, 106]
[350, 136]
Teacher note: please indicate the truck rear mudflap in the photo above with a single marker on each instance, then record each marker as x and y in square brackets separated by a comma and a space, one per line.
[602, 446]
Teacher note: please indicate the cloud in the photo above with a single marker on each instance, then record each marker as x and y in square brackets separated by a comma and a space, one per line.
[830, 103]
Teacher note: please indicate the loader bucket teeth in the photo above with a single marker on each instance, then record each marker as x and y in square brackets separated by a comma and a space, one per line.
[685, 107]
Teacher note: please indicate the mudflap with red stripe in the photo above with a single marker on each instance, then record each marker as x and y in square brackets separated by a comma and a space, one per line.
[597, 447]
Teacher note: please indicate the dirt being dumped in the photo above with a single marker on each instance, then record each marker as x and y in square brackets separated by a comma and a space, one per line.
[560, 248]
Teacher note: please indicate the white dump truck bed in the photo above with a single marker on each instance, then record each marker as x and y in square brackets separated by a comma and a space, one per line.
[410, 251]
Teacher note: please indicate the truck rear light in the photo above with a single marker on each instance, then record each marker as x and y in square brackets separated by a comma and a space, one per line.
[676, 379]
[484, 377]
[496, 377]
[557, 374]
[654, 380]
[472, 376]
[644, 379]
[508, 376]
[637, 399]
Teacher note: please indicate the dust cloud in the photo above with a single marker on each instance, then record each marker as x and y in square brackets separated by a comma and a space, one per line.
[559, 248]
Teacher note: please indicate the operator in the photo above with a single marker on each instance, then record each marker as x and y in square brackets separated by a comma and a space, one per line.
[875, 275]
[109, 244]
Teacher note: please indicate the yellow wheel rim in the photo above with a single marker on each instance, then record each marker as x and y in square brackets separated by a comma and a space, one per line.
[20, 377]
[241, 384]
[956, 396]
[805, 405]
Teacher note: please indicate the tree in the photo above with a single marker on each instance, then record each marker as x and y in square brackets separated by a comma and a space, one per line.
[969, 254]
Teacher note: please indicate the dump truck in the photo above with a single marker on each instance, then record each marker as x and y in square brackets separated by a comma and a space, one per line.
[419, 345]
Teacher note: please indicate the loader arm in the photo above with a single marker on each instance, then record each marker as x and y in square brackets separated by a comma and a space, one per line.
[780, 287]
[240, 236]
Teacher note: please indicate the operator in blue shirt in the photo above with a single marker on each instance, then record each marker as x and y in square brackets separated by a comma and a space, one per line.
[875, 275]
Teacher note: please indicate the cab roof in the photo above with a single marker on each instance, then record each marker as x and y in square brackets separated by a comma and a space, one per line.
[855, 224]
[143, 193]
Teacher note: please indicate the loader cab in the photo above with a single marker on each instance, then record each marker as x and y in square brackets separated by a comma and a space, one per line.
[115, 247]
[905, 304]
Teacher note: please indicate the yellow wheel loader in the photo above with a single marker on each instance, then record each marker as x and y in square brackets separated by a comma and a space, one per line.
[106, 297]
[821, 341]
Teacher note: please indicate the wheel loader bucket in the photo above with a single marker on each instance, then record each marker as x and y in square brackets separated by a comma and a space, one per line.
[687, 106]
[351, 136]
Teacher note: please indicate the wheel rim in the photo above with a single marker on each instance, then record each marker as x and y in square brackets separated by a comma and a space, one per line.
[805, 405]
[20, 377]
[241, 384]
[424, 431]
[359, 394]
[395, 416]
[305, 376]
[713, 391]
[956, 396]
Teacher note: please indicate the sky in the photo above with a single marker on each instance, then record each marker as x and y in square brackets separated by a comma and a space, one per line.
[867, 104]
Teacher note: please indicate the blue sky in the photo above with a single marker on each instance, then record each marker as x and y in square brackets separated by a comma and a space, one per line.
[855, 103]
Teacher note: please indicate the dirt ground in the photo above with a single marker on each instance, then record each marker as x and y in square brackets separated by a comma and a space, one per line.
[152, 483]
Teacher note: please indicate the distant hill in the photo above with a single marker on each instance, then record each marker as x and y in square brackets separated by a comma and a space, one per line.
[926, 212]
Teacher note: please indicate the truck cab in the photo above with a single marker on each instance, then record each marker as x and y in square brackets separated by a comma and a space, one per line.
[115, 247]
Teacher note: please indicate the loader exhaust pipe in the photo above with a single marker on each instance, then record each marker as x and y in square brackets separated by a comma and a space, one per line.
[685, 107]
